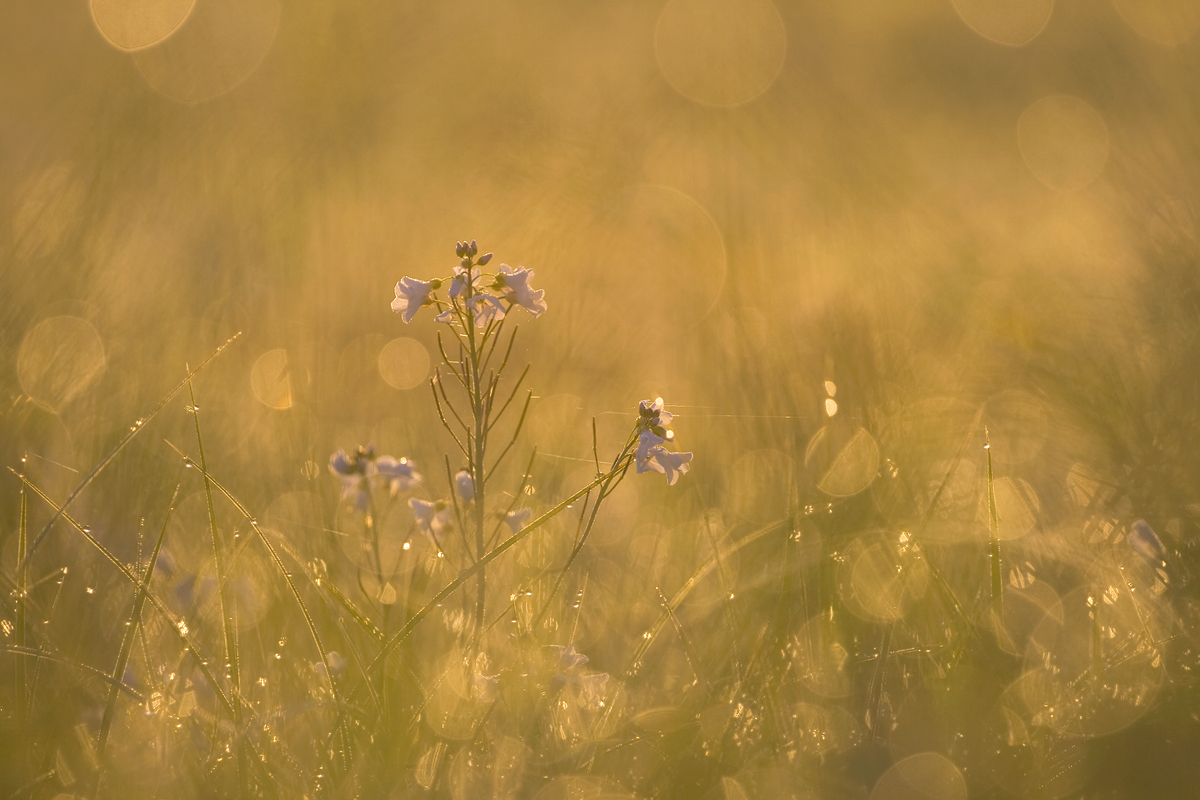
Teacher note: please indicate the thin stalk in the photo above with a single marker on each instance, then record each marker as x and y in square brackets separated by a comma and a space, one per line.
[516, 433]
[470, 572]
[511, 395]
[228, 629]
[994, 538]
[22, 592]
[133, 626]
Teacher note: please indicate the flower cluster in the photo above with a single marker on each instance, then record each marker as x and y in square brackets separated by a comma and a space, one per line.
[482, 298]
[357, 469]
[653, 434]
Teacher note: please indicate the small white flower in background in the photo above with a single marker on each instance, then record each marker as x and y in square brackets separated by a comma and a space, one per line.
[354, 472]
[485, 688]
[568, 657]
[514, 285]
[431, 517]
[484, 309]
[651, 455]
[401, 474]
[411, 294]
[464, 485]
[516, 520]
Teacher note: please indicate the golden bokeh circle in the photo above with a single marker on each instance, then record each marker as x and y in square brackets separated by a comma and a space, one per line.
[1009, 22]
[270, 379]
[1169, 22]
[137, 24]
[1064, 142]
[720, 52]
[404, 363]
[60, 357]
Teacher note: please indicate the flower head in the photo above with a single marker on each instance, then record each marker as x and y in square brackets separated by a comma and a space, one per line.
[459, 283]
[651, 454]
[411, 294]
[660, 459]
[401, 474]
[514, 285]
[354, 470]
[516, 520]
[431, 517]
[484, 308]
[465, 485]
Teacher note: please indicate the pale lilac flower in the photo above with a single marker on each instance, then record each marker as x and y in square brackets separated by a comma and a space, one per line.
[484, 308]
[411, 294]
[459, 284]
[516, 520]
[514, 284]
[401, 474]
[646, 441]
[354, 472]
[660, 459]
[465, 485]
[431, 517]
[652, 415]
[445, 316]
[568, 657]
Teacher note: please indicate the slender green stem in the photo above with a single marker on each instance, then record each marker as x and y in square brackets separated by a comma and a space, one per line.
[228, 628]
[994, 538]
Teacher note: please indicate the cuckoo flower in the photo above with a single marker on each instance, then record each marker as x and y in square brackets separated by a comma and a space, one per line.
[465, 485]
[411, 294]
[514, 285]
[400, 473]
[431, 517]
[651, 455]
[484, 308]
[516, 520]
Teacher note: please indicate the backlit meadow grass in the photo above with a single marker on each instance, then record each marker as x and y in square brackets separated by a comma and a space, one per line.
[824, 424]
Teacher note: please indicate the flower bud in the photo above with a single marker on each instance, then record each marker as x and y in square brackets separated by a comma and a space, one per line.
[460, 249]
[484, 259]
[472, 249]
[466, 262]
[435, 284]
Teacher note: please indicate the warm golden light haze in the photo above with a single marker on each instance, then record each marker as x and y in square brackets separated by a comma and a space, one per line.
[858, 455]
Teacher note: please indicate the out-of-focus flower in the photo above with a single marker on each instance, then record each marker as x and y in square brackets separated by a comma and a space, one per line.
[401, 474]
[516, 520]
[354, 471]
[485, 688]
[357, 470]
[431, 517]
[514, 285]
[411, 294]
[484, 308]
[1145, 543]
[568, 657]
[464, 485]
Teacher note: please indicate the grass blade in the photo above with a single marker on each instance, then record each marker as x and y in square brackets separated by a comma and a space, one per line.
[131, 632]
[134, 430]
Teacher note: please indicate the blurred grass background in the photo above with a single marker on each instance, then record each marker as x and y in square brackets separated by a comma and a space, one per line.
[938, 215]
